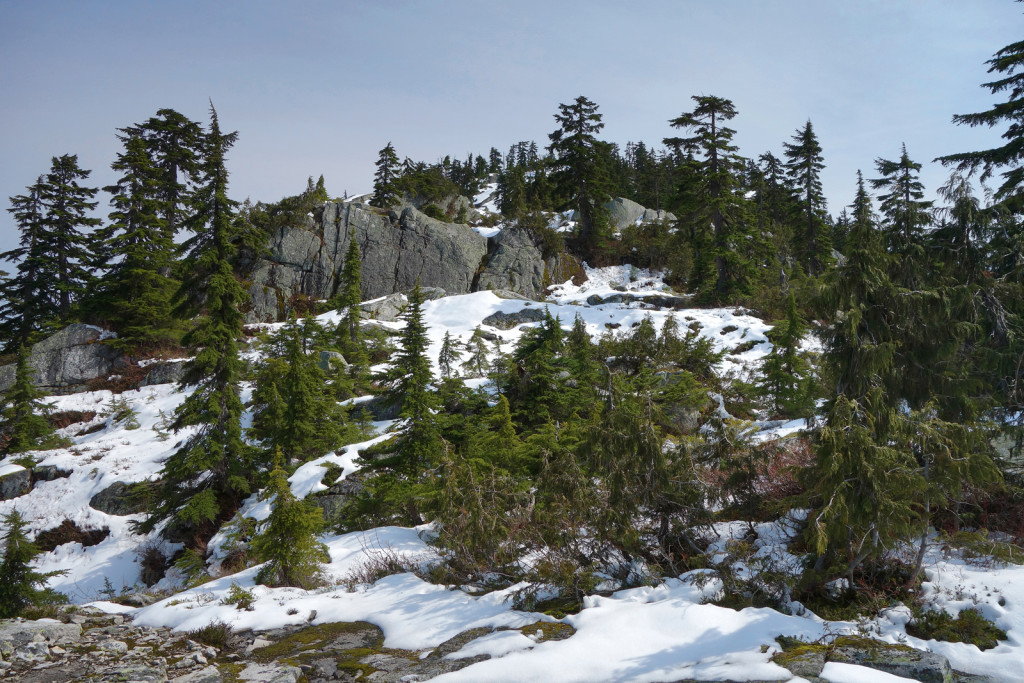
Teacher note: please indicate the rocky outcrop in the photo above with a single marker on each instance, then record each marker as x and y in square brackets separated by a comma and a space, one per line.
[397, 250]
[68, 359]
[624, 212]
[651, 300]
[808, 660]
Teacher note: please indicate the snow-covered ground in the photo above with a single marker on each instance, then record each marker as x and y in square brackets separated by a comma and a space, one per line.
[663, 632]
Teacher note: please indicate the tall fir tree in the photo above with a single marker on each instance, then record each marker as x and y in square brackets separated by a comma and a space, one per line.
[211, 472]
[906, 216]
[385, 190]
[134, 296]
[67, 206]
[55, 252]
[722, 268]
[174, 143]
[27, 303]
[1008, 65]
[409, 379]
[804, 164]
[579, 173]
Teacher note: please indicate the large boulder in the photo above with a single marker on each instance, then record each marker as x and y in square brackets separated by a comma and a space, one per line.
[68, 359]
[624, 212]
[15, 481]
[517, 264]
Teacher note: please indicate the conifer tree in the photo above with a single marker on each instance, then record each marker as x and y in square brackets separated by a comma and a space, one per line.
[295, 411]
[448, 357]
[476, 364]
[135, 293]
[906, 216]
[288, 542]
[862, 481]
[350, 295]
[1008, 65]
[803, 166]
[56, 253]
[786, 374]
[409, 379]
[24, 415]
[27, 303]
[212, 471]
[20, 585]
[385, 190]
[722, 267]
[579, 173]
[175, 147]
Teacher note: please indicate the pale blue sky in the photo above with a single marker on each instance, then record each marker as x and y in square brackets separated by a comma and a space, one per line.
[319, 87]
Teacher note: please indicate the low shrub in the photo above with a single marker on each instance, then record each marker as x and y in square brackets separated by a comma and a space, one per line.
[967, 627]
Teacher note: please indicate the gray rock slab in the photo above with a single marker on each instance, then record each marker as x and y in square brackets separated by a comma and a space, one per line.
[506, 321]
[16, 483]
[270, 673]
[209, 674]
[69, 358]
[22, 632]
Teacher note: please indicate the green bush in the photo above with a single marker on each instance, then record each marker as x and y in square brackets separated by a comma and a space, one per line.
[435, 212]
[967, 627]
[239, 597]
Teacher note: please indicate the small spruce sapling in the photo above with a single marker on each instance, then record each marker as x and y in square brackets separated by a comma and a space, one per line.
[448, 357]
[288, 542]
[24, 421]
[20, 585]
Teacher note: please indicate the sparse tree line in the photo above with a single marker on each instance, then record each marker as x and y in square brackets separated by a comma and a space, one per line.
[606, 457]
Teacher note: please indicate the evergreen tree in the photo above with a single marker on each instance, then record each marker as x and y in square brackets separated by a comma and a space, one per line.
[803, 166]
[1008, 63]
[288, 541]
[385, 190]
[409, 379]
[295, 411]
[906, 216]
[20, 585]
[24, 415]
[211, 472]
[448, 357]
[476, 364]
[579, 174]
[55, 253]
[174, 144]
[27, 303]
[722, 265]
[67, 204]
[785, 374]
[135, 294]
[350, 295]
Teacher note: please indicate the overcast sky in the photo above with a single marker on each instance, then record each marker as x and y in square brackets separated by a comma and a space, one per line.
[320, 87]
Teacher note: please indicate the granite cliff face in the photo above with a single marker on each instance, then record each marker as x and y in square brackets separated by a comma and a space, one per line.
[397, 250]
